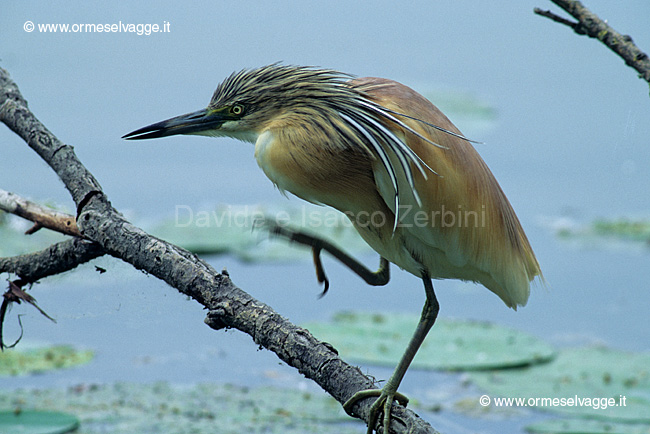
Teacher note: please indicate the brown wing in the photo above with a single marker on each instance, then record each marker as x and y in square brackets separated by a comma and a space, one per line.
[486, 242]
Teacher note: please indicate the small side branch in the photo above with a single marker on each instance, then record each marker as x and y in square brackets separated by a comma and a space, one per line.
[591, 25]
[41, 216]
[558, 19]
[55, 259]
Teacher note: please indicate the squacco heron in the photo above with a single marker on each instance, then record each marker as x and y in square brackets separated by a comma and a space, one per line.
[385, 156]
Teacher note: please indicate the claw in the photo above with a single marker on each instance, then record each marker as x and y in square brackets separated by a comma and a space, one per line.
[320, 271]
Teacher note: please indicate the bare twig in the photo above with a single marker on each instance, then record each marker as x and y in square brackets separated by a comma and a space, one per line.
[41, 216]
[228, 305]
[556, 18]
[591, 25]
[3, 309]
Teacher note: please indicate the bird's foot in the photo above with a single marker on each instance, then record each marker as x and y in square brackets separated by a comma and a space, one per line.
[385, 399]
[292, 235]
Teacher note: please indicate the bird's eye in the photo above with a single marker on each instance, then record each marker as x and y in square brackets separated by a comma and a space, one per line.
[237, 109]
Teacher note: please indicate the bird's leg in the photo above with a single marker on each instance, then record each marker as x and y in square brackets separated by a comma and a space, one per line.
[375, 278]
[388, 393]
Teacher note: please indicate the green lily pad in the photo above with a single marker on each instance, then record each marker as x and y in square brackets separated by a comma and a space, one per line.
[163, 408]
[235, 230]
[605, 230]
[582, 426]
[610, 384]
[21, 362]
[452, 345]
[37, 422]
[634, 230]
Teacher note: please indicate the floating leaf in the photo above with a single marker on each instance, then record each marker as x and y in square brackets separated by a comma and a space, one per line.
[593, 382]
[37, 422]
[235, 230]
[163, 408]
[603, 231]
[626, 229]
[452, 345]
[21, 362]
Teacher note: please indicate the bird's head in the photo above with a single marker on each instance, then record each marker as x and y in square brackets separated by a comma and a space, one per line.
[245, 103]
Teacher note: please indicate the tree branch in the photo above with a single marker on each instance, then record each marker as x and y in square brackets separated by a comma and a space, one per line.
[228, 305]
[591, 25]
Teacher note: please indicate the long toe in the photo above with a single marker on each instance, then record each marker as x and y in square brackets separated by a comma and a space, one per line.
[375, 411]
[388, 407]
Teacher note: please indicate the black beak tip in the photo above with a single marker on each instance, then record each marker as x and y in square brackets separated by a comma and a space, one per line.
[144, 133]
